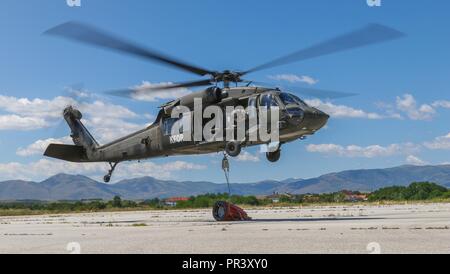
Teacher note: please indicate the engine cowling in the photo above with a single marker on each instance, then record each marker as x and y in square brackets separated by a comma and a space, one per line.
[212, 95]
[215, 95]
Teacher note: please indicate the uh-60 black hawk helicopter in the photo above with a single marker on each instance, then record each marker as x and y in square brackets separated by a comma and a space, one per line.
[296, 118]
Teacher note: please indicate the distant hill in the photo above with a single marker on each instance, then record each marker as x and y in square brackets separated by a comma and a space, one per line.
[370, 179]
[77, 187]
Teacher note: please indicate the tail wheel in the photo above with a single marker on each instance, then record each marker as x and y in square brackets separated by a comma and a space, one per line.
[233, 148]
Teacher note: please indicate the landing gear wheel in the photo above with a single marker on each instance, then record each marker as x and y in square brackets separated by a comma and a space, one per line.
[273, 156]
[233, 148]
[107, 178]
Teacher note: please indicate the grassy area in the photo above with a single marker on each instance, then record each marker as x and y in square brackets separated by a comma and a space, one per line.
[423, 192]
[30, 212]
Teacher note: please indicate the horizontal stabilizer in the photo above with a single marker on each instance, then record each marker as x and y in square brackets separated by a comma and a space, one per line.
[69, 153]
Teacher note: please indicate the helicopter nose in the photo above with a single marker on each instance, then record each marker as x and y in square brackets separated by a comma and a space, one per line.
[321, 119]
[324, 117]
[315, 119]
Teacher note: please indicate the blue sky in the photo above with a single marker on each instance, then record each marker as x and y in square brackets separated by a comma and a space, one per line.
[400, 117]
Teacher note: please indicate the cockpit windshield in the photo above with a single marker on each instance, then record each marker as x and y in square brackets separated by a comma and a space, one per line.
[287, 99]
[290, 99]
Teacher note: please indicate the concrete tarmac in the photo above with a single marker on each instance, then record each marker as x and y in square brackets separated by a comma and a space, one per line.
[410, 228]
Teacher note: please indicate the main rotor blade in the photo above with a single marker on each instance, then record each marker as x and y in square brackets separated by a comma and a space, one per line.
[199, 83]
[90, 35]
[371, 34]
[139, 91]
[312, 92]
[318, 93]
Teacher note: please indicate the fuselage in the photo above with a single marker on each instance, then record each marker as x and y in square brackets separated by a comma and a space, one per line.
[296, 120]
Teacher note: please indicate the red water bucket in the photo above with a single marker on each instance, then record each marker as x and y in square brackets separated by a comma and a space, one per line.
[225, 212]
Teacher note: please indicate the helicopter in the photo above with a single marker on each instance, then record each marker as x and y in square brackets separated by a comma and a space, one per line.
[295, 119]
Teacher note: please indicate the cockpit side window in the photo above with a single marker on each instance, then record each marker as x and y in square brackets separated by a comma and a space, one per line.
[287, 99]
[299, 101]
[268, 100]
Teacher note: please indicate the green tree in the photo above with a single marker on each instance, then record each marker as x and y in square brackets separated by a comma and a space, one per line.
[117, 202]
[415, 191]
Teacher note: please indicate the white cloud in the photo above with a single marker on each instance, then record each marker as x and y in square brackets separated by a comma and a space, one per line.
[106, 121]
[160, 171]
[439, 143]
[414, 160]
[247, 157]
[408, 104]
[40, 108]
[43, 108]
[16, 122]
[342, 111]
[142, 93]
[106, 129]
[103, 129]
[354, 151]
[45, 168]
[105, 110]
[405, 106]
[38, 147]
[390, 110]
[38, 113]
[292, 78]
[53, 108]
[441, 104]
[408, 149]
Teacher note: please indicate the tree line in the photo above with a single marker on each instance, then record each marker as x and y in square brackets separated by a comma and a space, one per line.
[419, 191]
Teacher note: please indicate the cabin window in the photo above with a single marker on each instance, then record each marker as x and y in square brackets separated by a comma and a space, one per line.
[252, 102]
[252, 106]
[169, 123]
[268, 100]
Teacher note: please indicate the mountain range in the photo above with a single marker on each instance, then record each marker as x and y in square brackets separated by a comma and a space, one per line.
[77, 187]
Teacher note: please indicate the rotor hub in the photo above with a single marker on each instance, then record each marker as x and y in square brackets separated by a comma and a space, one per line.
[227, 76]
